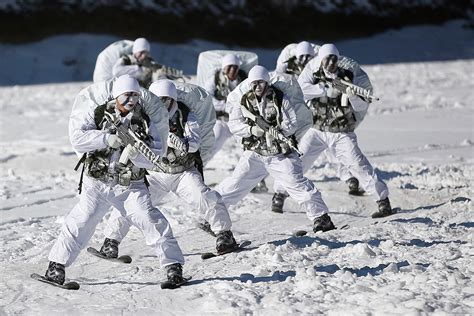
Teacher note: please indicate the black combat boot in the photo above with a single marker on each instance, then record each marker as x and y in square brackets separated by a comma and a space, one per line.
[225, 242]
[385, 209]
[110, 248]
[174, 273]
[353, 184]
[278, 201]
[55, 272]
[261, 187]
[323, 223]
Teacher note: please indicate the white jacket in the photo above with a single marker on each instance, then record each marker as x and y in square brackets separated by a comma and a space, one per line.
[84, 135]
[239, 128]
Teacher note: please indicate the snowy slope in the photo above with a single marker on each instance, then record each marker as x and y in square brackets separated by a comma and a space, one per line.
[421, 139]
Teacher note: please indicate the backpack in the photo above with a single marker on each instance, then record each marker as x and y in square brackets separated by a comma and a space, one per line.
[199, 101]
[107, 58]
[210, 61]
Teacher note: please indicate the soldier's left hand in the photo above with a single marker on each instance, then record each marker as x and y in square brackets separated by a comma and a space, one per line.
[273, 132]
[350, 91]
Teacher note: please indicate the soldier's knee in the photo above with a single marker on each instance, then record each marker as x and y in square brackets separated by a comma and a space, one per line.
[155, 216]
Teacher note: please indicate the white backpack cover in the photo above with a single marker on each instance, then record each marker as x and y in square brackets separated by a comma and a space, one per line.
[100, 93]
[199, 101]
[361, 78]
[291, 89]
[288, 52]
[210, 61]
[107, 58]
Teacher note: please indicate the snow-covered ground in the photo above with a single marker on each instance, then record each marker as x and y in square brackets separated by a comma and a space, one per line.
[419, 136]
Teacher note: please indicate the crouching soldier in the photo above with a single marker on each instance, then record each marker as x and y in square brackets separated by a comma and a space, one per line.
[115, 172]
[177, 172]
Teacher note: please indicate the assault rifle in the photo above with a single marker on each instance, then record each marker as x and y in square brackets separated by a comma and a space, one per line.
[342, 86]
[266, 127]
[170, 72]
[130, 137]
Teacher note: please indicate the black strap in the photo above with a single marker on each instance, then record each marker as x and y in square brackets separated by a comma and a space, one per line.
[81, 161]
[199, 164]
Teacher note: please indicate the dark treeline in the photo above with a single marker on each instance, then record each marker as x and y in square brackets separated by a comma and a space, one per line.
[265, 23]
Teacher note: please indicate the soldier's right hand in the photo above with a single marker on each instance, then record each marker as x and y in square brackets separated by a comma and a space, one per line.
[256, 131]
[113, 141]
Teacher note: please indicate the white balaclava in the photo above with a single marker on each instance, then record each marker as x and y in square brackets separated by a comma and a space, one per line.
[259, 73]
[140, 44]
[166, 88]
[324, 51]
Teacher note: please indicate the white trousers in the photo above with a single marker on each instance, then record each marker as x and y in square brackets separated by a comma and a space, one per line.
[287, 170]
[187, 185]
[347, 152]
[133, 203]
[222, 134]
[343, 172]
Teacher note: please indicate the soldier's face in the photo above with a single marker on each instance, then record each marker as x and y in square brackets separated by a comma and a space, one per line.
[259, 87]
[231, 71]
[169, 103]
[303, 59]
[329, 63]
[127, 101]
[141, 56]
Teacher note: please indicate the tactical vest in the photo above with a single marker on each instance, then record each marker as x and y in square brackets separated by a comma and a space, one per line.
[222, 83]
[175, 161]
[97, 163]
[293, 67]
[328, 114]
[273, 115]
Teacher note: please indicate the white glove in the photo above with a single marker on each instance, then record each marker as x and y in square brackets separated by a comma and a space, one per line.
[113, 141]
[256, 131]
[350, 91]
[332, 92]
[274, 132]
[175, 142]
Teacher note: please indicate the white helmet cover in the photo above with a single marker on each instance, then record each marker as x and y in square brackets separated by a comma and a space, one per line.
[258, 73]
[230, 59]
[124, 84]
[140, 44]
[164, 88]
[304, 48]
[326, 50]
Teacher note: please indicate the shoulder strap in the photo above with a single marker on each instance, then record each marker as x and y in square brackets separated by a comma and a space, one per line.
[216, 78]
[345, 74]
[278, 96]
[126, 60]
[290, 60]
[242, 75]
[184, 111]
[99, 115]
